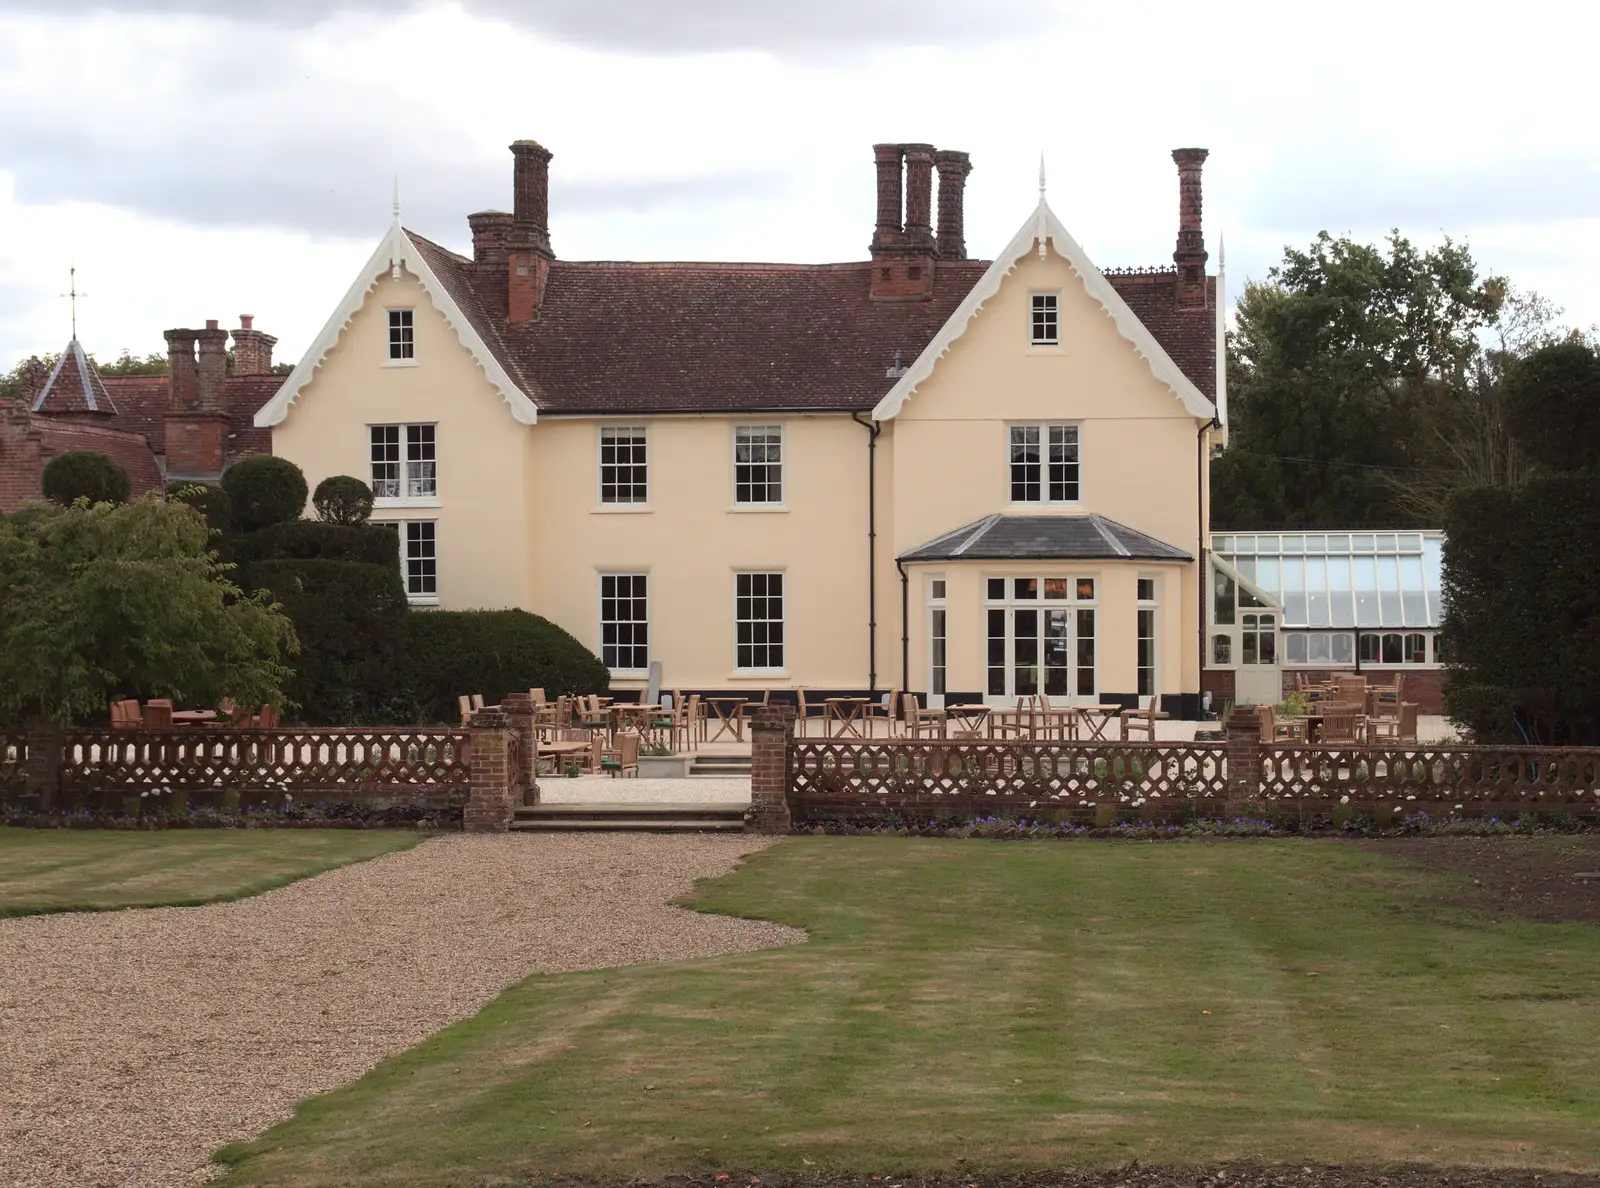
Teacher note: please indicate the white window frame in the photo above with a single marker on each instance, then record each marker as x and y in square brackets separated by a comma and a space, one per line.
[783, 622]
[1044, 431]
[642, 432]
[1152, 607]
[1044, 317]
[412, 471]
[1072, 604]
[407, 342]
[600, 610]
[770, 428]
[403, 532]
[938, 602]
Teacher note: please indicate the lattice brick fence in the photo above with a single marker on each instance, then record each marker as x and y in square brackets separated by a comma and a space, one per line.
[1435, 778]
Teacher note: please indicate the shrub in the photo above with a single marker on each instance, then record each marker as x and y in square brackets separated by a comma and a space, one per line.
[1553, 406]
[264, 490]
[351, 619]
[494, 653]
[84, 474]
[312, 539]
[210, 502]
[340, 499]
[1522, 624]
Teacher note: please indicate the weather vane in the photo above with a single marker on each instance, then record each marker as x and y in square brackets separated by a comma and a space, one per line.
[72, 294]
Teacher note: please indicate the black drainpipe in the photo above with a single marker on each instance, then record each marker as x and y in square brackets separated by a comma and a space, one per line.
[873, 429]
[1202, 576]
[905, 627]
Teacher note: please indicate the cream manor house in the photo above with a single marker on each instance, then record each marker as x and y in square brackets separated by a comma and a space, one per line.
[976, 480]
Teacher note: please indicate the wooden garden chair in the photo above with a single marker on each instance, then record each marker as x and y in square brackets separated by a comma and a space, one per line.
[464, 704]
[1342, 727]
[477, 701]
[591, 715]
[1143, 719]
[158, 713]
[125, 715]
[920, 721]
[884, 710]
[1275, 729]
[624, 757]
[1401, 728]
[805, 712]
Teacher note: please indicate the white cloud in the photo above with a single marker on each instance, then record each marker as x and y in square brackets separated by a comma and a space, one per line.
[200, 166]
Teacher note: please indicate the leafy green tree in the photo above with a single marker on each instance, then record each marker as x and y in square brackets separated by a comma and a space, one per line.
[85, 474]
[1553, 406]
[1334, 367]
[126, 364]
[100, 600]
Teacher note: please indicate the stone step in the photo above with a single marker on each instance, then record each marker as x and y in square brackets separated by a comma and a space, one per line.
[732, 810]
[627, 825]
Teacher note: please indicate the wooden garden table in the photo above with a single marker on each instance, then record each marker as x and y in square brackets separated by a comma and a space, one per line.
[971, 717]
[727, 714]
[849, 712]
[1097, 717]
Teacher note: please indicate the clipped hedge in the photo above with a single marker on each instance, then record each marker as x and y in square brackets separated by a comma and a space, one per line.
[341, 499]
[351, 618]
[85, 474]
[264, 490]
[308, 539]
[493, 653]
[210, 502]
[1522, 626]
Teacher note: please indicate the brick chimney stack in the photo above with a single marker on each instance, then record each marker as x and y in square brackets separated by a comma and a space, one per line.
[252, 348]
[904, 251]
[528, 252]
[196, 423]
[919, 195]
[953, 168]
[490, 229]
[1191, 255]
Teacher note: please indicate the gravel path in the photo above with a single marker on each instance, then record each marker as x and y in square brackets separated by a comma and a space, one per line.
[134, 1043]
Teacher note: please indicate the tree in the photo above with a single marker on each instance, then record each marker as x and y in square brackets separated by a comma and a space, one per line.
[98, 600]
[85, 474]
[1552, 403]
[341, 499]
[264, 490]
[126, 364]
[1332, 368]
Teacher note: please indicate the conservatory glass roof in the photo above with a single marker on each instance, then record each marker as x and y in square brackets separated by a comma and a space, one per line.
[1342, 579]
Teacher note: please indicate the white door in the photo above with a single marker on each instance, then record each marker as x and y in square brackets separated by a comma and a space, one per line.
[1259, 676]
[1043, 649]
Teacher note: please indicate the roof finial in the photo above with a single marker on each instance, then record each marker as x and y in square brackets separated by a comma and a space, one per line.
[397, 200]
[73, 294]
[1041, 177]
[1222, 252]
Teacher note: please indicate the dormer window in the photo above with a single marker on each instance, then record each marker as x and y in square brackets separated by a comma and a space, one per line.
[1046, 324]
[402, 342]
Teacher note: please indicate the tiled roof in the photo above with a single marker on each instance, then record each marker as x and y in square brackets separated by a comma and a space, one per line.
[74, 386]
[677, 337]
[128, 450]
[142, 407]
[1046, 538]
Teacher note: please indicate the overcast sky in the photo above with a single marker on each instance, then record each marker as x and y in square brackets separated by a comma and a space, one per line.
[199, 165]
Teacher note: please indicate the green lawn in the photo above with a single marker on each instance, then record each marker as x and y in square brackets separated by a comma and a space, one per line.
[1013, 1005]
[93, 870]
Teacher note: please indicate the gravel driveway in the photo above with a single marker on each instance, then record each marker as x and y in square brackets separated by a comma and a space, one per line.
[134, 1043]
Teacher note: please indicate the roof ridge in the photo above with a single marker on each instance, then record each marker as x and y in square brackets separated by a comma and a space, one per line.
[978, 533]
[1100, 523]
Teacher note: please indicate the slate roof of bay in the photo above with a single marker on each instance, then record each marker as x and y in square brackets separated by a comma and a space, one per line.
[1045, 538]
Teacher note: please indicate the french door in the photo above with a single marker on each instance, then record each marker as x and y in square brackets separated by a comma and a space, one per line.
[1040, 640]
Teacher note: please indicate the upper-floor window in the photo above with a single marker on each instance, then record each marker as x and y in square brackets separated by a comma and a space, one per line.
[403, 462]
[1044, 464]
[1046, 323]
[758, 464]
[402, 341]
[623, 466]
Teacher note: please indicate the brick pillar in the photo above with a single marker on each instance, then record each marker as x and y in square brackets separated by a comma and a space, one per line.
[771, 732]
[1243, 728]
[489, 808]
[42, 772]
[518, 707]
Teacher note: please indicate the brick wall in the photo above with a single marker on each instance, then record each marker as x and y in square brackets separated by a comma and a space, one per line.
[489, 803]
[21, 459]
[770, 732]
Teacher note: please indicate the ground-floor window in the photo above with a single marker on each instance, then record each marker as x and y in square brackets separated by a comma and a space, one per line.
[1147, 637]
[1320, 647]
[758, 621]
[937, 637]
[1393, 647]
[1258, 639]
[419, 556]
[625, 621]
[1041, 637]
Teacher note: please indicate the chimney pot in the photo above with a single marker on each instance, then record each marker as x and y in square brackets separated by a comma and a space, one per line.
[953, 168]
[246, 321]
[1190, 255]
[888, 158]
[211, 323]
[919, 194]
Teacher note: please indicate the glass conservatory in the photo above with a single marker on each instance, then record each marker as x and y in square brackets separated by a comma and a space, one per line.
[1343, 599]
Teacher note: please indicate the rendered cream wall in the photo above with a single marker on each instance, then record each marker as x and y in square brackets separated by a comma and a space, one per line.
[691, 541]
[1138, 449]
[483, 507]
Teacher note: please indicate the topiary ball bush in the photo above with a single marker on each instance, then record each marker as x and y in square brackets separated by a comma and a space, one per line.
[84, 474]
[264, 490]
[341, 499]
[211, 502]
